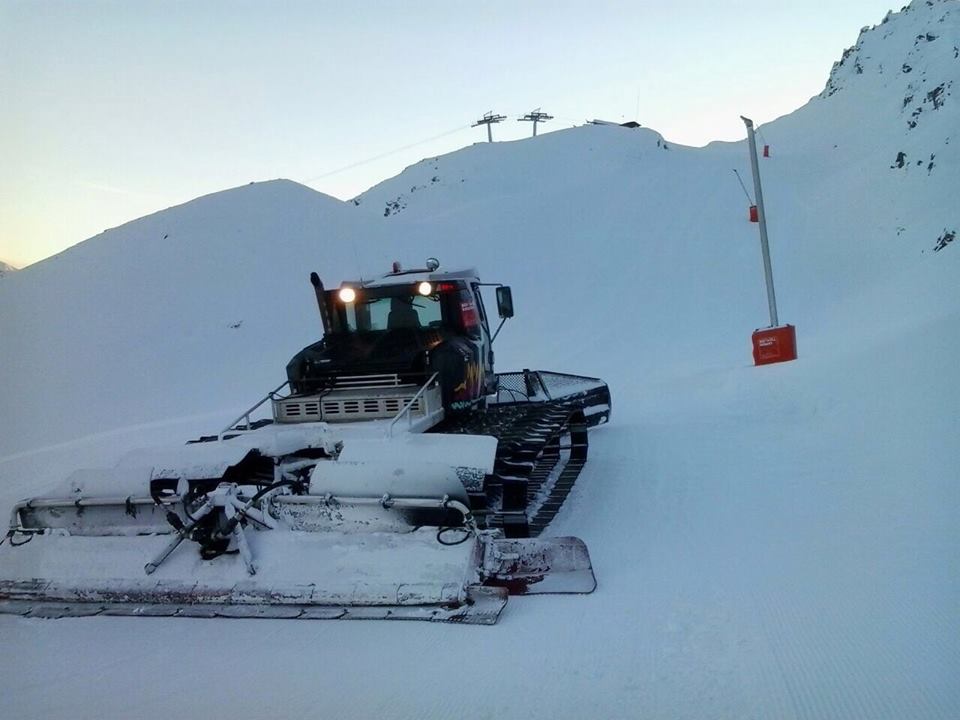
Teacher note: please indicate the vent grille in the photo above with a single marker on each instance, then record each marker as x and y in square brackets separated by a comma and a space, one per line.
[333, 409]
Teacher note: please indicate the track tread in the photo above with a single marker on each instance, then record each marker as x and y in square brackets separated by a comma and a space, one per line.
[529, 450]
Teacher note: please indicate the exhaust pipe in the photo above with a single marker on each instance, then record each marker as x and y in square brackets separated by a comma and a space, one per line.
[321, 302]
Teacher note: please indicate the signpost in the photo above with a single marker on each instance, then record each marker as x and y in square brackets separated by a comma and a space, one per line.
[776, 343]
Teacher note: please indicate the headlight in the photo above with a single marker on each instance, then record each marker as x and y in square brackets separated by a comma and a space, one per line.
[425, 288]
[348, 294]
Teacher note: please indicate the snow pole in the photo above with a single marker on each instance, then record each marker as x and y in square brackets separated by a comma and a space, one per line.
[764, 244]
[774, 343]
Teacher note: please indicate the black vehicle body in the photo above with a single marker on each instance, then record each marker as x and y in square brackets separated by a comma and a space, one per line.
[409, 324]
[388, 337]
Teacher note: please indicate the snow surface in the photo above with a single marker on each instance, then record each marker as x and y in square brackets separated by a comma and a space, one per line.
[769, 542]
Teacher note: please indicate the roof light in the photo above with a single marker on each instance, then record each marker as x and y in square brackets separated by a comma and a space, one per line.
[425, 288]
[348, 294]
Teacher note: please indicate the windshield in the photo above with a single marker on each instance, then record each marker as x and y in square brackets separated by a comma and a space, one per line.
[391, 313]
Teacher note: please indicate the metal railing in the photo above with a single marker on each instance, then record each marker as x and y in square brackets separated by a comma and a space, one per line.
[409, 406]
[368, 381]
[246, 415]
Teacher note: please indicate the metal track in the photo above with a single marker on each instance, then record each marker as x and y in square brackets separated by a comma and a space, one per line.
[541, 450]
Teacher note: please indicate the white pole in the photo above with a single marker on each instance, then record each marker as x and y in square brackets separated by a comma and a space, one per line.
[762, 217]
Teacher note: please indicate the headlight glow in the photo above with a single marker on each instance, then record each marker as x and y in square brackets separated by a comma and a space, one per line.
[348, 294]
[424, 288]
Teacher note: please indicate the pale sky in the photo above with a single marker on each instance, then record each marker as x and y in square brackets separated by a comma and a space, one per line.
[113, 110]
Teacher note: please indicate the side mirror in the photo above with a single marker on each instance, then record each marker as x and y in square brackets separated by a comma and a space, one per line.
[504, 302]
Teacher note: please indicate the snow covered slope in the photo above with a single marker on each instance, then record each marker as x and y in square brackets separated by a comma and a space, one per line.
[6, 268]
[769, 542]
[215, 300]
[192, 309]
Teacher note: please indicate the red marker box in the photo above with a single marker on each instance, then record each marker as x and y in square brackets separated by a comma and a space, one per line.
[773, 345]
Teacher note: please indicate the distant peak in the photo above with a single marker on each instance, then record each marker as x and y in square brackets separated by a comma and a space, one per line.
[924, 34]
[282, 185]
[257, 191]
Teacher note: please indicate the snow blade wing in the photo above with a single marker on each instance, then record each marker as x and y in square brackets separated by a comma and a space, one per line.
[536, 566]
